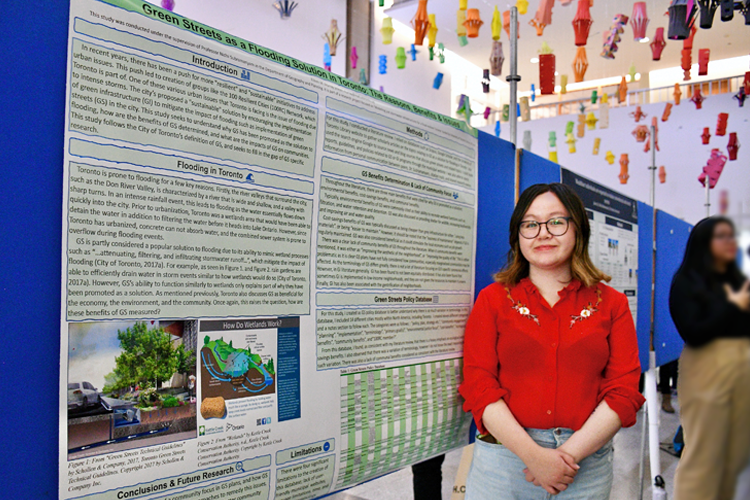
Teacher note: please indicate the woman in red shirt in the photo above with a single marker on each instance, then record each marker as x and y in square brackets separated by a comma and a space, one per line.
[550, 361]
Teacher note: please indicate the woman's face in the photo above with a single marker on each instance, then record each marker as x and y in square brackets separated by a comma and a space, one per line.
[723, 244]
[545, 251]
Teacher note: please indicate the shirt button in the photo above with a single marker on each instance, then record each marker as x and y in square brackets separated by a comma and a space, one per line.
[549, 412]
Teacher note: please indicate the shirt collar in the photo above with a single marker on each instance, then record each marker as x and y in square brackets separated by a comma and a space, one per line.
[531, 288]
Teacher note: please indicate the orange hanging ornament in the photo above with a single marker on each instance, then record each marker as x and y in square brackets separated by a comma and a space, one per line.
[473, 23]
[420, 22]
[580, 64]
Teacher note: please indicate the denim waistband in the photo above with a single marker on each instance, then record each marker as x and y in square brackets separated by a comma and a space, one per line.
[555, 436]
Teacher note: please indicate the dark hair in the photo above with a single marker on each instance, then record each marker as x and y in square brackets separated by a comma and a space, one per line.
[581, 266]
[698, 263]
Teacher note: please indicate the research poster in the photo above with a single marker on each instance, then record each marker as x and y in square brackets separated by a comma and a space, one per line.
[613, 245]
[267, 268]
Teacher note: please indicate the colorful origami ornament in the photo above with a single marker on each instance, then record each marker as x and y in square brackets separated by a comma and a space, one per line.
[667, 112]
[552, 139]
[486, 113]
[581, 126]
[553, 156]
[582, 22]
[571, 142]
[381, 3]
[333, 36]
[533, 93]
[497, 128]
[506, 25]
[612, 37]
[632, 73]
[400, 58]
[677, 94]
[637, 115]
[353, 57]
[525, 109]
[639, 21]
[697, 98]
[387, 30]
[657, 45]
[703, 57]
[438, 81]
[682, 15]
[597, 143]
[169, 5]
[580, 64]
[496, 59]
[522, 6]
[547, 73]
[463, 4]
[569, 128]
[713, 168]
[464, 108]
[733, 146]
[622, 91]
[591, 120]
[593, 96]
[721, 124]
[740, 96]
[708, 9]
[420, 22]
[326, 57]
[441, 52]
[473, 23]
[496, 25]
[505, 116]
[362, 76]
[624, 162]
[486, 81]
[687, 63]
[543, 16]
[285, 7]
[706, 135]
[527, 140]
[432, 32]
[382, 64]
[640, 133]
[609, 157]
[413, 52]
[563, 84]
[461, 28]
[604, 112]
[662, 175]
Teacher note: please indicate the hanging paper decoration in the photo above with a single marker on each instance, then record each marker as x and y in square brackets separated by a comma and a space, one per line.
[687, 63]
[580, 64]
[723, 201]
[703, 57]
[733, 146]
[727, 10]
[708, 9]
[655, 124]
[461, 28]
[522, 6]
[746, 82]
[382, 64]
[682, 15]
[464, 108]
[533, 93]
[622, 91]
[547, 73]
[721, 124]
[486, 113]
[697, 98]
[506, 25]
[662, 175]
[612, 37]
[420, 22]
[581, 126]
[169, 5]
[362, 76]
[505, 116]
[591, 120]
[387, 30]
[400, 58]
[688, 42]
[640, 133]
[438, 81]
[705, 136]
[486, 81]
[354, 57]
[543, 16]
[563, 84]
[582, 23]
[571, 142]
[657, 44]
[285, 7]
[525, 109]
[677, 94]
[496, 25]
[413, 52]
[441, 52]
[463, 4]
[333, 36]
[604, 112]
[473, 23]
[667, 112]
[553, 156]
[326, 57]
[497, 128]
[610, 157]
[496, 59]
[624, 176]
[597, 143]
[593, 97]
[639, 21]
[713, 168]
[552, 139]
[569, 128]
[740, 96]
[527, 140]
[432, 33]
[637, 115]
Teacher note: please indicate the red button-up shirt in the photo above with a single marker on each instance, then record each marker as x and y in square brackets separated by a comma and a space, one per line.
[551, 365]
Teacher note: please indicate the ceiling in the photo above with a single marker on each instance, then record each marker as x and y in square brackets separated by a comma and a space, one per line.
[725, 39]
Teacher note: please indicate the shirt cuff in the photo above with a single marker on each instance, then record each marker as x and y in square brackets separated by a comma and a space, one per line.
[479, 403]
[626, 404]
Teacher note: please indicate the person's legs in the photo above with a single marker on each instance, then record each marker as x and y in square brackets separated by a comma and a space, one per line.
[738, 451]
[427, 478]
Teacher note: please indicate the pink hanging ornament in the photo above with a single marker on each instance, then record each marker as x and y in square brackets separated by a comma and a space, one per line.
[733, 146]
[624, 162]
[662, 175]
[353, 57]
[637, 115]
[657, 44]
[723, 201]
[582, 22]
[703, 57]
[705, 136]
[639, 21]
[543, 16]
[721, 124]
[713, 168]
[687, 63]
[547, 73]
[612, 37]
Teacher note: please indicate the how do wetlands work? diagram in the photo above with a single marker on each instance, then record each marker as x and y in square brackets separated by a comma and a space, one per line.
[234, 372]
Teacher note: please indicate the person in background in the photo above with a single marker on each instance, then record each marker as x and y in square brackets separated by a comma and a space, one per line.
[667, 382]
[550, 361]
[427, 479]
[710, 305]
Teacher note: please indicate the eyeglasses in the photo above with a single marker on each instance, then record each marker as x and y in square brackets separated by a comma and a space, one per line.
[556, 226]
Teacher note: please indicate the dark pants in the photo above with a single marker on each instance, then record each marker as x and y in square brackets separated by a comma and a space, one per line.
[428, 479]
[668, 377]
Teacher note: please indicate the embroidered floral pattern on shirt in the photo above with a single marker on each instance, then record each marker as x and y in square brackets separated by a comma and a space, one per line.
[521, 308]
[587, 311]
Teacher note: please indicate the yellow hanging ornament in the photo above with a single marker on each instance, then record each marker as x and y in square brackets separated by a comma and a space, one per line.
[496, 24]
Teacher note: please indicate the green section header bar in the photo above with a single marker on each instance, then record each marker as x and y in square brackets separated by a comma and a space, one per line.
[168, 17]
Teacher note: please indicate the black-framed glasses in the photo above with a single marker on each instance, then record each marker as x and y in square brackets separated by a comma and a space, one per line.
[556, 226]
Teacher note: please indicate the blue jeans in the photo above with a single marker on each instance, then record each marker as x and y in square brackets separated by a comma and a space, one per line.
[497, 473]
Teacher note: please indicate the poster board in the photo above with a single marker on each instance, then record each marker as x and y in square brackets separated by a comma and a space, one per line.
[266, 268]
[645, 278]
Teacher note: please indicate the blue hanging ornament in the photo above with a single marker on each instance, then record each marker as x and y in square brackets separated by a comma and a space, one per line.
[382, 64]
[413, 52]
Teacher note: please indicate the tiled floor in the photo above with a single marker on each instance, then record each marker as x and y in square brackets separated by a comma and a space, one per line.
[398, 486]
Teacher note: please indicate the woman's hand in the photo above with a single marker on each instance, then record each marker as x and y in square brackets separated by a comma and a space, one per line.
[551, 469]
[740, 298]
